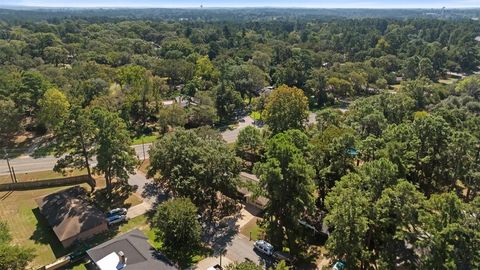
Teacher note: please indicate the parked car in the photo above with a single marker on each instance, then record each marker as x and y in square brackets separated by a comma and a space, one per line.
[339, 265]
[116, 219]
[215, 267]
[117, 212]
[263, 247]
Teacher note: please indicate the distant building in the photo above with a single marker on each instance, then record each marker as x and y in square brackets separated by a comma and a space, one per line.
[258, 202]
[178, 100]
[130, 251]
[267, 90]
[71, 216]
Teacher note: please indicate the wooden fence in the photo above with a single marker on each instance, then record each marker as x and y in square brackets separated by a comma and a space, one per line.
[38, 184]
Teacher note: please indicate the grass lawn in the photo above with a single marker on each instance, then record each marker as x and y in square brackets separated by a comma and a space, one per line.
[144, 166]
[29, 228]
[252, 229]
[146, 139]
[25, 177]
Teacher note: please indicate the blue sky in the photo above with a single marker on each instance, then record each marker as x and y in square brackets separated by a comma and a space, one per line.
[250, 3]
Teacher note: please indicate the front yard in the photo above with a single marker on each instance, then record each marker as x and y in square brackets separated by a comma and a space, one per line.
[30, 229]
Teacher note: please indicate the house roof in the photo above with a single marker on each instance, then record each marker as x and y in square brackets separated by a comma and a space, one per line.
[138, 252]
[69, 213]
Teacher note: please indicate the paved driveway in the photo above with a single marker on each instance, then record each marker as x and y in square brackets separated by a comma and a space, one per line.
[230, 136]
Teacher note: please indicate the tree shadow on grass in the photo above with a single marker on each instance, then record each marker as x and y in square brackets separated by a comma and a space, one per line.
[120, 193]
[44, 234]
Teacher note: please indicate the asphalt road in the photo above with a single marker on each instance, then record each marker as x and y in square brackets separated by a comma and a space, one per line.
[26, 164]
[241, 249]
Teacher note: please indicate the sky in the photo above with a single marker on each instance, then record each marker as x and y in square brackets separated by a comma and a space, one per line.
[249, 3]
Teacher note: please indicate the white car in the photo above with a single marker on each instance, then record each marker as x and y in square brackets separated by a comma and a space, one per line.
[263, 247]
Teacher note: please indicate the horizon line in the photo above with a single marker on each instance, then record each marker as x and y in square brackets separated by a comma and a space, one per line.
[230, 7]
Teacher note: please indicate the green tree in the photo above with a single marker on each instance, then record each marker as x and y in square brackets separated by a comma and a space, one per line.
[340, 87]
[286, 108]
[348, 213]
[171, 116]
[261, 60]
[31, 89]
[13, 257]
[327, 118]
[93, 88]
[55, 55]
[469, 86]
[420, 90]
[330, 156]
[76, 141]
[247, 79]
[359, 81]
[396, 219]
[316, 86]
[115, 156]
[205, 69]
[425, 69]
[282, 265]
[9, 118]
[195, 166]
[450, 233]
[286, 181]
[464, 161]
[227, 101]
[204, 113]
[54, 107]
[249, 144]
[247, 265]
[130, 75]
[177, 229]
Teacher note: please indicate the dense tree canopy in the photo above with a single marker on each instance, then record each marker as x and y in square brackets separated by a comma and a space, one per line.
[390, 166]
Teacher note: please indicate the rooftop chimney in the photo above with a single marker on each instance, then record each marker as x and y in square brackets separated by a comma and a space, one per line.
[123, 259]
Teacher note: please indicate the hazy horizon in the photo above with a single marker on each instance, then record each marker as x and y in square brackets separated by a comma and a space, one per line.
[370, 4]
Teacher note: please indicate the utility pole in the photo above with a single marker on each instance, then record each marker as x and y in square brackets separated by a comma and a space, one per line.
[8, 164]
[143, 147]
[14, 175]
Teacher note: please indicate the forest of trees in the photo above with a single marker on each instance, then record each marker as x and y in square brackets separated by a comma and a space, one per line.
[391, 163]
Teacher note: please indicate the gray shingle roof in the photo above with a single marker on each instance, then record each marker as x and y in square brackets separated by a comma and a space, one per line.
[69, 213]
[139, 253]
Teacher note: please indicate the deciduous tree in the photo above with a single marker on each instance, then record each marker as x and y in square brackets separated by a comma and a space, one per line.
[76, 141]
[54, 108]
[286, 108]
[115, 156]
[177, 229]
[286, 180]
[194, 166]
